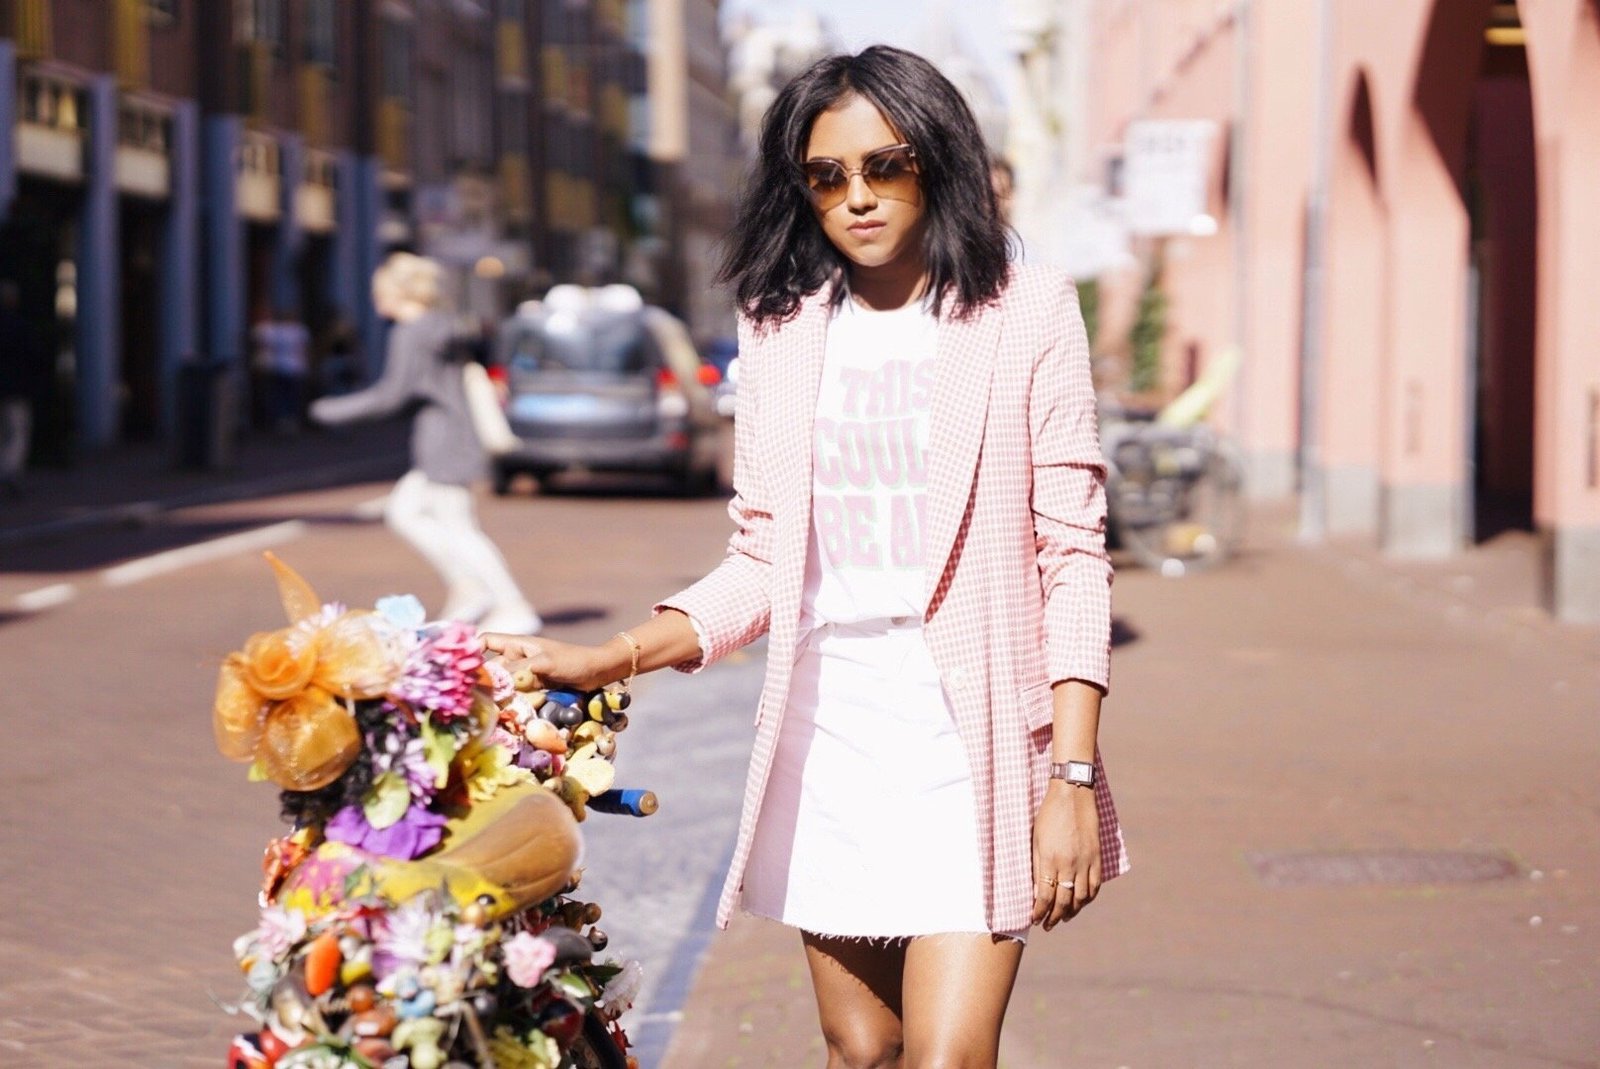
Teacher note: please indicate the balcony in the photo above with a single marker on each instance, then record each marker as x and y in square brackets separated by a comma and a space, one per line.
[316, 198]
[144, 135]
[259, 185]
[51, 126]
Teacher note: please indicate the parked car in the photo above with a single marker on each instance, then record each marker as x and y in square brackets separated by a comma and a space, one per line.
[723, 354]
[596, 380]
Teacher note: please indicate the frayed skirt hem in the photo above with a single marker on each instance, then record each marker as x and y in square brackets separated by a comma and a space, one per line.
[879, 939]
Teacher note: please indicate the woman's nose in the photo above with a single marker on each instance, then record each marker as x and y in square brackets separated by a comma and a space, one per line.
[860, 198]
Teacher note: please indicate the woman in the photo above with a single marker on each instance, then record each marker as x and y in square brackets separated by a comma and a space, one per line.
[431, 506]
[919, 506]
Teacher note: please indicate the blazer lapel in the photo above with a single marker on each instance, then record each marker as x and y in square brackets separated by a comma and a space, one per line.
[960, 410]
[795, 367]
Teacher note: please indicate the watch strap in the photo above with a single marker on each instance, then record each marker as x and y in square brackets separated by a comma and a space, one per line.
[1077, 773]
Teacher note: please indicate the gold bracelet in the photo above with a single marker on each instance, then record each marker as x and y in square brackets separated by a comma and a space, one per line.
[633, 650]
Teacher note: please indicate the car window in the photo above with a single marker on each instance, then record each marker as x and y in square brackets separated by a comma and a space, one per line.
[618, 347]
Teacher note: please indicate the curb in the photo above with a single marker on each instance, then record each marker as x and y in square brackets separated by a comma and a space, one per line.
[146, 512]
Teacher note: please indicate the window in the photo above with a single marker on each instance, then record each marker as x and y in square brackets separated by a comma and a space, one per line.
[260, 20]
[322, 32]
[396, 38]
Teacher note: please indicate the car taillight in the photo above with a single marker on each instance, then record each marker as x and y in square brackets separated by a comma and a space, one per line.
[709, 375]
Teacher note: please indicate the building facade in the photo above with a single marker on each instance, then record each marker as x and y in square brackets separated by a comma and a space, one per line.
[172, 171]
[1400, 247]
[693, 145]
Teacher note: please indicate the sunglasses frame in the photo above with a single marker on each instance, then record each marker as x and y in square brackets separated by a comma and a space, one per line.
[850, 173]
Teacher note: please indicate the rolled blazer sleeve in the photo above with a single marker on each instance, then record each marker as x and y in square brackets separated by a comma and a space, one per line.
[732, 606]
[1069, 498]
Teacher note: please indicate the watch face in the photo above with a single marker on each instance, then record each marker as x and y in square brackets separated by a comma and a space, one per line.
[1080, 772]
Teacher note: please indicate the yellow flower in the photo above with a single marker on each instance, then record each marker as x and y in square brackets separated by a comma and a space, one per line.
[486, 768]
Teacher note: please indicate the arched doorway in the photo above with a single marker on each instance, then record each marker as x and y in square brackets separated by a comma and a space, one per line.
[1463, 208]
[1355, 340]
[1502, 198]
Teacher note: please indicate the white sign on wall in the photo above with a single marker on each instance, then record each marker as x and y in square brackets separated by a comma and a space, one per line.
[1167, 166]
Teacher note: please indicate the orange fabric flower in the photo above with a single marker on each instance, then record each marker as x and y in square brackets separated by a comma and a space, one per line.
[358, 655]
[238, 712]
[308, 741]
[279, 664]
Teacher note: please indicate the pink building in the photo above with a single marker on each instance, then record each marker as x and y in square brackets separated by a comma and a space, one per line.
[1407, 255]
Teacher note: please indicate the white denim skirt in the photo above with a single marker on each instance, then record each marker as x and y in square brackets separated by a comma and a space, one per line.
[868, 828]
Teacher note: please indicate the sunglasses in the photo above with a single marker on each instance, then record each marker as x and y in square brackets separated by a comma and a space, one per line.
[890, 172]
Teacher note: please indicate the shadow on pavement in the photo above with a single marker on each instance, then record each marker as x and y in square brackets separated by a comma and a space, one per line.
[108, 545]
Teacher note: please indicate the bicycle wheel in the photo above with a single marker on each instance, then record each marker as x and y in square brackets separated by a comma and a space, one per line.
[595, 1049]
[1181, 525]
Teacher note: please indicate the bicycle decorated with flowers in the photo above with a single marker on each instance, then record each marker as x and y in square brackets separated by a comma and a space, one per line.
[421, 915]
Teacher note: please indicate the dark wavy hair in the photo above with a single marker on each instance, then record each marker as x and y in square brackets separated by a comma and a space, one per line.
[777, 253]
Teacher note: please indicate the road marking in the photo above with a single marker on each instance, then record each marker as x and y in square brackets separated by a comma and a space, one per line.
[172, 560]
[46, 597]
[371, 510]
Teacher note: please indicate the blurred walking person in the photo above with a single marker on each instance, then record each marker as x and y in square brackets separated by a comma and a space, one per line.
[24, 369]
[431, 506]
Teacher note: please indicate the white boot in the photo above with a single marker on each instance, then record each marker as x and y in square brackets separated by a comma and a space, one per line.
[515, 618]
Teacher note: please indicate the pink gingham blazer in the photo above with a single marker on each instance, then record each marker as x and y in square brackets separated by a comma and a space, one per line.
[1018, 577]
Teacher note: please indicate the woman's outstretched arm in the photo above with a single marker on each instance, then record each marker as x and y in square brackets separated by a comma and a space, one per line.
[666, 639]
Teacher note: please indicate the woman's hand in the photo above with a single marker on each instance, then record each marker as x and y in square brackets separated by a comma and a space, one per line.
[1066, 853]
[583, 668]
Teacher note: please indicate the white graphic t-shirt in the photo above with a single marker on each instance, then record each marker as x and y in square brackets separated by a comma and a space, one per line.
[869, 470]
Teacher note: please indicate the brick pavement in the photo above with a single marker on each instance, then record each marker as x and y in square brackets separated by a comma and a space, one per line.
[1300, 700]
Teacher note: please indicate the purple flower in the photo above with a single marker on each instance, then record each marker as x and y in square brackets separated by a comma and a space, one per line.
[407, 839]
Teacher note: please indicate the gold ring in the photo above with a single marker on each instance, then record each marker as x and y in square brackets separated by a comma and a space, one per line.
[1050, 882]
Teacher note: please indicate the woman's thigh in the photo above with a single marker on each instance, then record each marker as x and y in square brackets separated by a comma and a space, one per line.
[858, 999]
[954, 998]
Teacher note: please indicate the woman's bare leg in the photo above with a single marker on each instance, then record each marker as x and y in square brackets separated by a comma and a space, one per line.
[954, 997]
[858, 1000]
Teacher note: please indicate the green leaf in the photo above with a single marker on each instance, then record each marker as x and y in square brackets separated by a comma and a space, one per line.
[576, 986]
[356, 879]
[439, 748]
[388, 800]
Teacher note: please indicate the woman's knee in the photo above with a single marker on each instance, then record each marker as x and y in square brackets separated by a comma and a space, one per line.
[862, 1048]
[951, 1057]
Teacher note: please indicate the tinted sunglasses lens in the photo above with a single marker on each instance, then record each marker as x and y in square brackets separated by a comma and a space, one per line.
[892, 174]
[826, 181]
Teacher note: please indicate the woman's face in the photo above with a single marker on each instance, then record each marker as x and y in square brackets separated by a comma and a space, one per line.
[872, 227]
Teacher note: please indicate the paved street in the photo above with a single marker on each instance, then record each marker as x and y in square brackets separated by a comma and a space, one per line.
[1301, 702]
[129, 851]
[1319, 702]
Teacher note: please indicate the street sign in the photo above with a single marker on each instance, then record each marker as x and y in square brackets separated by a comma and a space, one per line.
[1166, 176]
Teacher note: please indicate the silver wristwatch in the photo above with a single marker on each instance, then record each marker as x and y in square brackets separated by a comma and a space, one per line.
[1077, 773]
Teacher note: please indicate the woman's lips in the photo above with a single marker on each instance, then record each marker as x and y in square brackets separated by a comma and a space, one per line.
[865, 229]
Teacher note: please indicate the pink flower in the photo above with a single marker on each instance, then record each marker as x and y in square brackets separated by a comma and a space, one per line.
[502, 679]
[281, 930]
[442, 671]
[527, 957]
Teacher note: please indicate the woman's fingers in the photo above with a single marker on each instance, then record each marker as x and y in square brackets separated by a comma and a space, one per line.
[515, 647]
[1062, 896]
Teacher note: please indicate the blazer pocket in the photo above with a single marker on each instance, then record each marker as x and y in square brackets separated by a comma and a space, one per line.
[1038, 707]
